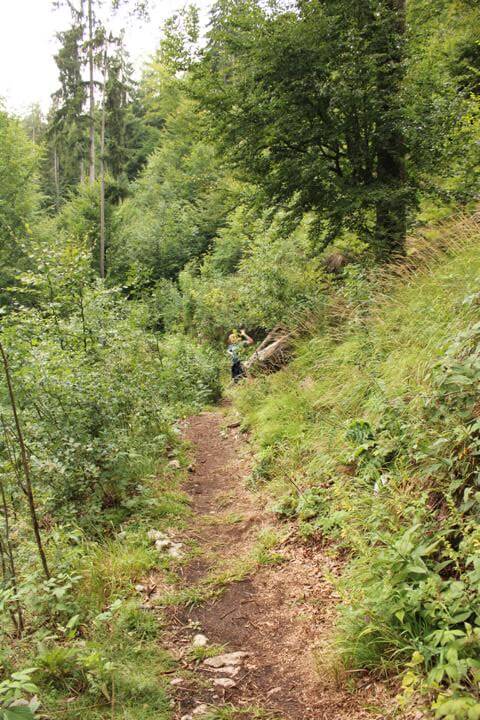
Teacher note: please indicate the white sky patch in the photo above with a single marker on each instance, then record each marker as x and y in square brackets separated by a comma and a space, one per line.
[28, 73]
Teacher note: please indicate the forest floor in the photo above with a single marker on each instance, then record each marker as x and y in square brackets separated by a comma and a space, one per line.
[252, 586]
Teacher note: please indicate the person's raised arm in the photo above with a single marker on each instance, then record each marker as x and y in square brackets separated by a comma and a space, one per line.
[246, 337]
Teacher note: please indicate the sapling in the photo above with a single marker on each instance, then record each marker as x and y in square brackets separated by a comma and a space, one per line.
[24, 463]
[8, 564]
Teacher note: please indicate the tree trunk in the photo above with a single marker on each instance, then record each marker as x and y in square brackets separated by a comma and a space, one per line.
[56, 176]
[102, 176]
[391, 208]
[272, 354]
[25, 464]
[91, 109]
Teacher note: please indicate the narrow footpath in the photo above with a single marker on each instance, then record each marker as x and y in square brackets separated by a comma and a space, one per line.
[255, 590]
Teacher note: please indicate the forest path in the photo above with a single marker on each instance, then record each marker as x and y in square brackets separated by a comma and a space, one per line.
[253, 587]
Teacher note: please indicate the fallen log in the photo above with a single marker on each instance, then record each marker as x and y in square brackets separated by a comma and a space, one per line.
[272, 354]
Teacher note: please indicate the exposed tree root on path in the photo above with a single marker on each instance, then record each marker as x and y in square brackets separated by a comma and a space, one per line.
[255, 588]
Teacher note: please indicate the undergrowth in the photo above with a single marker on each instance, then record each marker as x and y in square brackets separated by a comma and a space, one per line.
[93, 649]
[371, 437]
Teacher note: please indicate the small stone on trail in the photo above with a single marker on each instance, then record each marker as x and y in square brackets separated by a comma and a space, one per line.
[176, 681]
[226, 683]
[235, 658]
[186, 717]
[140, 588]
[174, 464]
[175, 552]
[191, 468]
[163, 544]
[154, 535]
[230, 670]
[200, 710]
[199, 640]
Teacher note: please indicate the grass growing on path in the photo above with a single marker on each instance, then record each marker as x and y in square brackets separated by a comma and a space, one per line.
[216, 581]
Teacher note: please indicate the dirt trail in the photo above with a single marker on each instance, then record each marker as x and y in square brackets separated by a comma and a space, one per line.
[281, 614]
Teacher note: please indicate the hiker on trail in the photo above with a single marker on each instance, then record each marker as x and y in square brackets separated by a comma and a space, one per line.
[236, 340]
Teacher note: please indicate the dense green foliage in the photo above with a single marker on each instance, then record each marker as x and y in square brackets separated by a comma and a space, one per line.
[19, 198]
[177, 205]
[311, 108]
[266, 135]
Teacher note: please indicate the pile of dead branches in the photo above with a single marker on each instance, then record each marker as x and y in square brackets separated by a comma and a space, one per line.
[272, 354]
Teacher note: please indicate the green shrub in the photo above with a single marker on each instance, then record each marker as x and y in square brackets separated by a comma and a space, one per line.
[75, 670]
[109, 572]
[286, 507]
[189, 376]
[312, 503]
[136, 623]
[98, 396]
[278, 279]
[13, 689]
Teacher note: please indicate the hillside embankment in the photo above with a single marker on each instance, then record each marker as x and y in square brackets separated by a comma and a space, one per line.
[369, 440]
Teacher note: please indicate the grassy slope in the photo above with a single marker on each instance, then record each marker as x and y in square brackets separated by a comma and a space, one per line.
[305, 408]
[378, 368]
